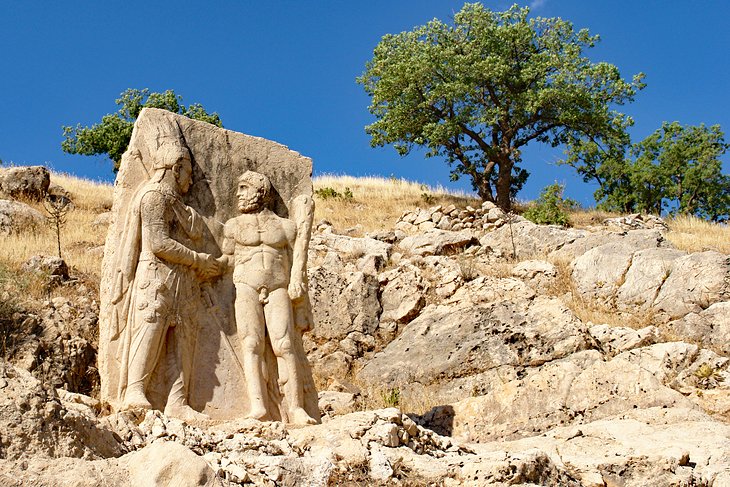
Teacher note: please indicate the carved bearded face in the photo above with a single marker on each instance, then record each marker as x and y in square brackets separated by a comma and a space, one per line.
[253, 189]
[184, 174]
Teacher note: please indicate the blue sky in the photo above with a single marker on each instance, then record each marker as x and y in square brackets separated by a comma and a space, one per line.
[285, 70]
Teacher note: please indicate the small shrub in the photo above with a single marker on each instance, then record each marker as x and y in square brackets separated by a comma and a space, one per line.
[707, 376]
[328, 192]
[550, 208]
[468, 269]
[391, 398]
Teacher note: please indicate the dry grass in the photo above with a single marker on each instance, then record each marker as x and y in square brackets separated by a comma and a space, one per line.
[78, 236]
[377, 203]
[588, 217]
[692, 234]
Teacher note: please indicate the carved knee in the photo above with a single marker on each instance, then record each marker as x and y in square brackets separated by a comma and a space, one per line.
[251, 344]
[282, 346]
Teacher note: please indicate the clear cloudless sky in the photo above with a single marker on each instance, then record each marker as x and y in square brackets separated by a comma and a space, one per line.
[285, 70]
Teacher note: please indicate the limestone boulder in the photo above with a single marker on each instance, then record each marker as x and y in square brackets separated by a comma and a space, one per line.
[350, 247]
[599, 272]
[709, 327]
[636, 239]
[652, 446]
[613, 340]
[648, 271]
[437, 242]
[343, 303]
[16, 217]
[169, 463]
[530, 239]
[696, 281]
[27, 182]
[403, 293]
[34, 421]
[580, 388]
[450, 342]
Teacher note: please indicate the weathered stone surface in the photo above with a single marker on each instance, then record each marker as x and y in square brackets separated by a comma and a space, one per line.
[18, 217]
[343, 303]
[449, 342]
[169, 463]
[350, 247]
[30, 182]
[636, 239]
[35, 422]
[616, 339]
[530, 240]
[709, 327]
[47, 265]
[403, 294]
[649, 270]
[600, 271]
[589, 389]
[696, 281]
[437, 242]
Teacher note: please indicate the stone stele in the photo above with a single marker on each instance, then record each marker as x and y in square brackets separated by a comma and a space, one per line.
[168, 299]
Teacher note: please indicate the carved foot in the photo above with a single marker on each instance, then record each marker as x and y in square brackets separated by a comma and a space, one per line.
[300, 416]
[258, 412]
[135, 401]
[186, 413]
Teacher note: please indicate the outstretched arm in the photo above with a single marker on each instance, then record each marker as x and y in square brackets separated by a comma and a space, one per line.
[302, 211]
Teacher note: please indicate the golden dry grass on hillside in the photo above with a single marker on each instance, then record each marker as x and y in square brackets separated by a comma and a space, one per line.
[376, 202]
[80, 239]
[695, 235]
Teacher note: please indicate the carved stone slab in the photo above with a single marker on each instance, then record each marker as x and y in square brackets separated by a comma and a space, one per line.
[219, 156]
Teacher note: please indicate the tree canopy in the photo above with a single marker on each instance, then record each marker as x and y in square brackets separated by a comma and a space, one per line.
[478, 91]
[676, 169]
[111, 136]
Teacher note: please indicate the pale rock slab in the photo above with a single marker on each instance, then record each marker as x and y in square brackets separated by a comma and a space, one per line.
[16, 217]
[582, 388]
[696, 281]
[403, 293]
[710, 327]
[616, 339]
[448, 342]
[530, 240]
[649, 270]
[350, 247]
[437, 242]
[169, 463]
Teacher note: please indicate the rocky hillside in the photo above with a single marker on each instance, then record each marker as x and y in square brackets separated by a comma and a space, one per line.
[454, 345]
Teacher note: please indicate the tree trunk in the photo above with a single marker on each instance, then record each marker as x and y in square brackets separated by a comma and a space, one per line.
[504, 184]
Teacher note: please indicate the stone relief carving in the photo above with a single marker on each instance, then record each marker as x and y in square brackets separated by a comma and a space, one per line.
[204, 288]
[269, 255]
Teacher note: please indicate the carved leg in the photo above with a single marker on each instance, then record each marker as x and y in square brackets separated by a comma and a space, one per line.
[280, 323]
[178, 372]
[143, 356]
[250, 323]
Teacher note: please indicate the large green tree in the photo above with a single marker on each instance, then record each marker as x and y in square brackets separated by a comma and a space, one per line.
[676, 169]
[476, 92]
[111, 136]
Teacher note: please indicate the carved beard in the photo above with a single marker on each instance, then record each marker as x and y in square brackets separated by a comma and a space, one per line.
[252, 204]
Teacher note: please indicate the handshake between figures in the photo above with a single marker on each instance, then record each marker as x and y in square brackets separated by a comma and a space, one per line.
[208, 267]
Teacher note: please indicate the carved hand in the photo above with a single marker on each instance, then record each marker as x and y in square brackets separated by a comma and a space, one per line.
[297, 289]
[208, 267]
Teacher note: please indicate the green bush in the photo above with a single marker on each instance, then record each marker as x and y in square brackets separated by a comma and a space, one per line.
[328, 192]
[550, 208]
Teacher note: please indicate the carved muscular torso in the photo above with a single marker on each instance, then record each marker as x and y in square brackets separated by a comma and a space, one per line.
[261, 247]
